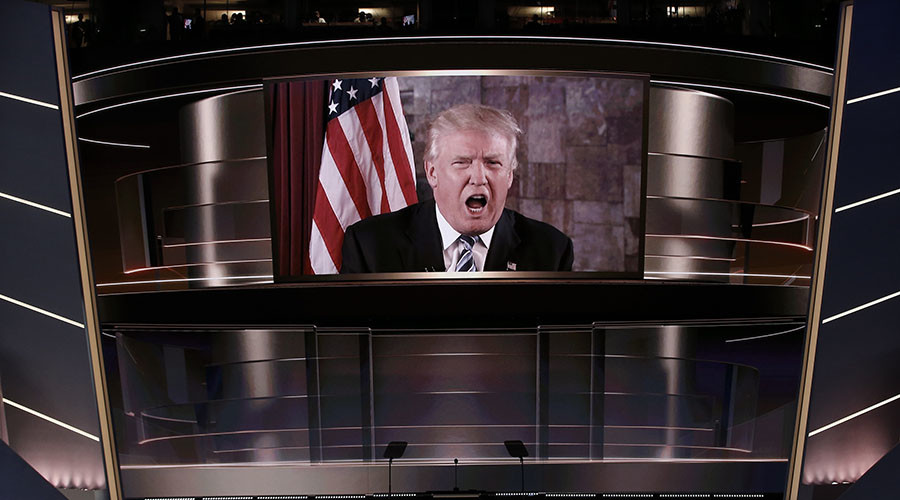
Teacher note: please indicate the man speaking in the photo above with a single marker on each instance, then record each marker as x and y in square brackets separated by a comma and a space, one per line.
[470, 157]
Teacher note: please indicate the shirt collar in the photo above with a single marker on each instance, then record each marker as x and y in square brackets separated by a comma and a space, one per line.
[450, 235]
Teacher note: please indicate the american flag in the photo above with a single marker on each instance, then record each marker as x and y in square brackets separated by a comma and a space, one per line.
[367, 164]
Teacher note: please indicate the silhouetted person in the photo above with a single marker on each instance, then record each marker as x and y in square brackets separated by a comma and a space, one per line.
[198, 25]
[176, 25]
[77, 32]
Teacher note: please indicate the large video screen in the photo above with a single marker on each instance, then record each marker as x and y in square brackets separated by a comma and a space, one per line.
[440, 173]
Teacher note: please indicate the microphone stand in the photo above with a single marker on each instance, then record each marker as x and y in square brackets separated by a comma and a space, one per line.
[455, 476]
[390, 462]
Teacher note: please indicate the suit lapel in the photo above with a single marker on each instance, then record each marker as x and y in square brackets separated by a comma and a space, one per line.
[424, 252]
[503, 244]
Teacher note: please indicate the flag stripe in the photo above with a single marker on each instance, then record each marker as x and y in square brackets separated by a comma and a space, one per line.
[336, 190]
[395, 143]
[372, 131]
[328, 226]
[320, 260]
[392, 88]
[396, 200]
[347, 166]
[353, 130]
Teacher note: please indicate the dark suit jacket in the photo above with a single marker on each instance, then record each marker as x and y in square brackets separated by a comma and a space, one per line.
[409, 240]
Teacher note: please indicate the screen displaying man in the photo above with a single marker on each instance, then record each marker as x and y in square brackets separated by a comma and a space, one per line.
[470, 158]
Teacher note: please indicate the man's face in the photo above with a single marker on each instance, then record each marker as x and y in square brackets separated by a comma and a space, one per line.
[470, 178]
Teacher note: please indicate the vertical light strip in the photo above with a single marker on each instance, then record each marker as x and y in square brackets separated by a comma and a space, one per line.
[50, 419]
[817, 285]
[67, 109]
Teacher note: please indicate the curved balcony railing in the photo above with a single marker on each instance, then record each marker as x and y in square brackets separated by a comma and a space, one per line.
[598, 392]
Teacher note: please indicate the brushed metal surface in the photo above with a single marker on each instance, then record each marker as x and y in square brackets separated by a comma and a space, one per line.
[690, 122]
[450, 53]
[223, 127]
[691, 147]
[689, 176]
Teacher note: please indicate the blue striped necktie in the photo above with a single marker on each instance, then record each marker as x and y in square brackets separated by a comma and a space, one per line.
[466, 262]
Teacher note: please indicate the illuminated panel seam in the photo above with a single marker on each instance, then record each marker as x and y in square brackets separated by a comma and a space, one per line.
[867, 200]
[35, 205]
[167, 96]
[851, 417]
[655, 445]
[182, 280]
[218, 242]
[458, 443]
[746, 91]
[860, 308]
[521, 426]
[120, 144]
[29, 101]
[159, 268]
[777, 223]
[467, 37]
[873, 96]
[223, 433]
[42, 311]
[443, 463]
[51, 420]
[726, 238]
[767, 335]
[749, 275]
[692, 257]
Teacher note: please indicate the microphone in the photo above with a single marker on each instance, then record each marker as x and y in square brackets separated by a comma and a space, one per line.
[455, 476]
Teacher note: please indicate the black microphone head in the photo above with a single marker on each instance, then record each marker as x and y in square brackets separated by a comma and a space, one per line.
[516, 448]
[395, 449]
[455, 461]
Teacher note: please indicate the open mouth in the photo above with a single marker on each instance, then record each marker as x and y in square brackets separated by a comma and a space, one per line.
[476, 203]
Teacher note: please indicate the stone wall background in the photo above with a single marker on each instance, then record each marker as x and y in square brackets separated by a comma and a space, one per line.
[579, 156]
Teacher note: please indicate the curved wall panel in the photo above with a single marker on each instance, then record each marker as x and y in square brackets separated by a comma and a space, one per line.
[208, 218]
[691, 143]
[720, 211]
[224, 127]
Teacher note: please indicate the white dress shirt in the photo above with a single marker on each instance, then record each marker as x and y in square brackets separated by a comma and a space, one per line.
[452, 247]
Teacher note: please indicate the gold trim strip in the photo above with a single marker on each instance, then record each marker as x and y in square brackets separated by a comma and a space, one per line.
[92, 325]
[795, 471]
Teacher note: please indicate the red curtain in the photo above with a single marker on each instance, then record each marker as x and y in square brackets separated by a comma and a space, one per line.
[296, 114]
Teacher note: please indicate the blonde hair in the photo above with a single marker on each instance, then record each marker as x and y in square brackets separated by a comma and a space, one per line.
[473, 117]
